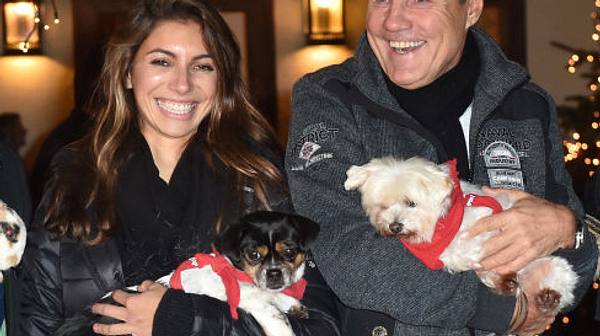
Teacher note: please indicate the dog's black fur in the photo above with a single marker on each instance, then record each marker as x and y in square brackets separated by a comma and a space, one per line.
[261, 228]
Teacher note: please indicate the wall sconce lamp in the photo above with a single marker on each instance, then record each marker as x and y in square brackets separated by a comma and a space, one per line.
[324, 21]
[22, 20]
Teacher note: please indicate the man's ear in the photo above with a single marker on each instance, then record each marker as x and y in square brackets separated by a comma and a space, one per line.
[474, 10]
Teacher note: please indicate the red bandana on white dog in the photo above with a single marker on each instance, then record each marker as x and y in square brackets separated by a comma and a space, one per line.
[447, 226]
[230, 276]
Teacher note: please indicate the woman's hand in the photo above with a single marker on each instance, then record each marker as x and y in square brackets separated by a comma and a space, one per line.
[532, 228]
[137, 312]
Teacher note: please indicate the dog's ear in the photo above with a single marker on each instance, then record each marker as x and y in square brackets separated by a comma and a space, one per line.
[307, 229]
[229, 240]
[357, 176]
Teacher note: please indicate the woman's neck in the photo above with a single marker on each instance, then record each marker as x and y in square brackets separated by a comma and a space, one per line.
[165, 154]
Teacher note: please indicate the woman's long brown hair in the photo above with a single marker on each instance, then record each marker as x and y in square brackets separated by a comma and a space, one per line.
[86, 209]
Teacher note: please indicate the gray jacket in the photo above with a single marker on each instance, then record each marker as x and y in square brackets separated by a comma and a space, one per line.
[344, 115]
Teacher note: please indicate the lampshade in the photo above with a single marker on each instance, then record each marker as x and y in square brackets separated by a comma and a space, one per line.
[21, 33]
[324, 21]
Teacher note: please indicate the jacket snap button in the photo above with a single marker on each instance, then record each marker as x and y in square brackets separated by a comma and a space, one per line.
[379, 331]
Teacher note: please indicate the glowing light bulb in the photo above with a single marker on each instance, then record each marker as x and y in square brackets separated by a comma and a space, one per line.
[46, 27]
[575, 57]
[576, 136]
[56, 21]
[595, 37]
[571, 69]
[565, 320]
[588, 161]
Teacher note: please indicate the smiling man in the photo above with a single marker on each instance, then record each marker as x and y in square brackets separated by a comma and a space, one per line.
[424, 82]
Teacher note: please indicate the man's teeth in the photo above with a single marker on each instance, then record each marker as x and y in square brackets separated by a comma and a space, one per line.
[176, 108]
[405, 45]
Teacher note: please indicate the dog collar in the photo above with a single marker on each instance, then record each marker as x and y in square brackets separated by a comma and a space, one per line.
[447, 227]
[230, 276]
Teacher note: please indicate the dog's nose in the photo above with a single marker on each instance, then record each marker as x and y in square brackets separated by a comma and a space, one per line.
[274, 274]
[396, 228]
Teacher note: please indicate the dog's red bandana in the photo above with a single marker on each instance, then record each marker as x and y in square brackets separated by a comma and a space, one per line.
[230, 276]
[447, 227]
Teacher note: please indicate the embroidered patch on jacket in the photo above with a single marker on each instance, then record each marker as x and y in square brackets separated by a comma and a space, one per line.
[310, 142]
[503, 166]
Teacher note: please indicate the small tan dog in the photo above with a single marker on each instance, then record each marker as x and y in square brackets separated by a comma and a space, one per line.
[430, 210]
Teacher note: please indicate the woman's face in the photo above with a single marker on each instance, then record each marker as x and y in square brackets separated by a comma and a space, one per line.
[174, 81]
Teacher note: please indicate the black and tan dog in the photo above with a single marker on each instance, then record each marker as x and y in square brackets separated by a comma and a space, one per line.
[258, 268]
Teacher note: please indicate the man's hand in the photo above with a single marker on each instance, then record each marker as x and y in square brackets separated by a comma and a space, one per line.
[137, 312]
[532, 228]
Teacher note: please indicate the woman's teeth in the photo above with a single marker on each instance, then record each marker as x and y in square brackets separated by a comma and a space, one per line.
[176, 108]
[405, 46]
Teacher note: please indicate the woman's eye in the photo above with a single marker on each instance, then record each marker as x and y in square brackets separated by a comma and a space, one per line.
[160, 62]
[203, 68]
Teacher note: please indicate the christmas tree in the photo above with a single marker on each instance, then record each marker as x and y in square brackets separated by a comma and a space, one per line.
[580, 125]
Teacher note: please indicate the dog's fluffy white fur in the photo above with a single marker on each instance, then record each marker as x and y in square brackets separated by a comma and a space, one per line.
[12, 238]
[405, 198]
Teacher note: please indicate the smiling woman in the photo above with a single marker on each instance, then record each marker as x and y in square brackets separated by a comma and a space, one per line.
[176, 154]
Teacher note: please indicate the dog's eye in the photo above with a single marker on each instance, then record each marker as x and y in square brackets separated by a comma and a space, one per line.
[254, 256]
[411, 204]
[289, 254]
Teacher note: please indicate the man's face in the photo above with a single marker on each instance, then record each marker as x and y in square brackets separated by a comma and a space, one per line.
[417, 41]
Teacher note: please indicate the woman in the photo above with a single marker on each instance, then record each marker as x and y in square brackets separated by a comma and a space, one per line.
[175, 154]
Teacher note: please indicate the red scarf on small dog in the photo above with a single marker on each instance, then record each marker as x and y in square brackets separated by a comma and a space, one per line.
[230, 276]
[447, 227]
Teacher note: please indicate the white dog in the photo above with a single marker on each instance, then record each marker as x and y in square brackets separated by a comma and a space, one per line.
[12, 238]
[422, 204]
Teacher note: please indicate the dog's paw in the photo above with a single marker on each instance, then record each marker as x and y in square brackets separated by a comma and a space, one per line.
[299, 311]
[547, 300]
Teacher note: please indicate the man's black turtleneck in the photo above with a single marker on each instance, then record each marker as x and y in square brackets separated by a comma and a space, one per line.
[439, 105]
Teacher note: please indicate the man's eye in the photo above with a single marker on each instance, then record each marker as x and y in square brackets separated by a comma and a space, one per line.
[380, 2]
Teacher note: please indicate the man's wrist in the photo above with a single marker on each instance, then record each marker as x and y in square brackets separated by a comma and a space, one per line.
[573, 225]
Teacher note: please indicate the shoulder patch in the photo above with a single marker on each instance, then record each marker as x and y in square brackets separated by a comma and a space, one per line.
[312, 139]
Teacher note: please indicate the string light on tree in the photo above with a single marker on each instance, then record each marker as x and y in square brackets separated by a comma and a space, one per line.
[581, 124]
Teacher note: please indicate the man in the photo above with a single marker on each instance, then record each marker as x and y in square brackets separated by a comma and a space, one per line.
[13, 192]
[424, 82]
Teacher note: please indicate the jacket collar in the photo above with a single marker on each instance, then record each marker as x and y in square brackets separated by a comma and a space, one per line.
[498, 75]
